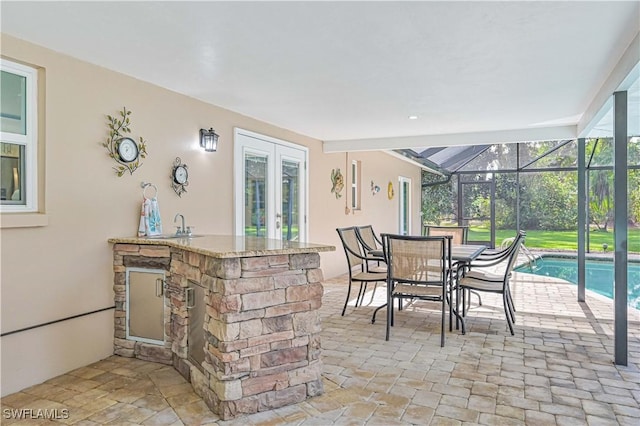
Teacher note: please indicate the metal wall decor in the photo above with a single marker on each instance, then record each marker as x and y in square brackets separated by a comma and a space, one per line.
[121, 147]
[390, 192]
[337, 182]
[374, 188]
[179, 177]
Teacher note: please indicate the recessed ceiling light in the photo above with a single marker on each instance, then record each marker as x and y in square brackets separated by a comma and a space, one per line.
[413, 117]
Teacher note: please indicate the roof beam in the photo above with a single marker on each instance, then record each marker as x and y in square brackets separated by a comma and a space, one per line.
[624, 73]
[452, 139]
[415, 163]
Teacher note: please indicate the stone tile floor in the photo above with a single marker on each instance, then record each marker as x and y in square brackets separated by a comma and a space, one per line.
[557, 369]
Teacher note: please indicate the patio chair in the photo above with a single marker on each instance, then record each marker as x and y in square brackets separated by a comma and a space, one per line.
[459, 233]
[418, 267]
[489, 258]
[478, 280]
[372, 246]
[357, 259]
[368, 238]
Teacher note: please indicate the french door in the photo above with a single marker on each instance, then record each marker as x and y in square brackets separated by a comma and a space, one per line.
[270, 187]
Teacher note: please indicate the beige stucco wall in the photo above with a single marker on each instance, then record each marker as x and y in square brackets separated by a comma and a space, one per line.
[64, 268]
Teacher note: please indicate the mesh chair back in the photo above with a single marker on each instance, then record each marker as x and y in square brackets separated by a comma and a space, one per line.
[458, 233]
[351, 246]
[417, 259]
[368, 237]
[417, 267]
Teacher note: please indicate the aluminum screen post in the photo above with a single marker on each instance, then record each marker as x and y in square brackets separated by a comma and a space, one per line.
[620, 233]
[582, 218]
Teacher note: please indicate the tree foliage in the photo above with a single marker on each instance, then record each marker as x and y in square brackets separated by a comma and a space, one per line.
[548, 199]
[437, 200]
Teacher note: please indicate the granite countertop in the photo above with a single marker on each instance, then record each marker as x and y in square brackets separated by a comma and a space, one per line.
[227, 246]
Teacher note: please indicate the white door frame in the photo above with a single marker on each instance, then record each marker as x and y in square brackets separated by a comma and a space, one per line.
[276, 150]
[401, 181]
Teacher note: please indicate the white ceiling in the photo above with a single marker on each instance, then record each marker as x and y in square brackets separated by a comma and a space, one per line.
[353, 70]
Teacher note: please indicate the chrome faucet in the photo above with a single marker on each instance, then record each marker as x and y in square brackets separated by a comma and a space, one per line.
[181, 230]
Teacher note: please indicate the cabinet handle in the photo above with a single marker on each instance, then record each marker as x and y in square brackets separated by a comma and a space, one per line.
[189, 295]
[159, 287]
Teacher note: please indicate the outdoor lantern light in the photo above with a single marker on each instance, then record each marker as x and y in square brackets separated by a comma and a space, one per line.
[209, 140]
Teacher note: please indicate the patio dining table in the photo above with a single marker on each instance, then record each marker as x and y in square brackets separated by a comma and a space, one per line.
[462, 255]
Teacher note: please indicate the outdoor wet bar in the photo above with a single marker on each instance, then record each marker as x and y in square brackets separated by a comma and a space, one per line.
[236, 316]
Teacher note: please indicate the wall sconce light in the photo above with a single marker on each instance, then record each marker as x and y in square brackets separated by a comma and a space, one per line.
[209, 140]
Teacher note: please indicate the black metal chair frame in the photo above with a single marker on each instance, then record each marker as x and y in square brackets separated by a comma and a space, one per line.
[465, 231]
[372, 246]
[510, 255]
[426, 230]
[445, 272]
[493, 258]
[364, 276]
[365, 243]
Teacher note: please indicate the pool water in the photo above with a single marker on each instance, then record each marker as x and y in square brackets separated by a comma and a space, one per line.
[599, 275]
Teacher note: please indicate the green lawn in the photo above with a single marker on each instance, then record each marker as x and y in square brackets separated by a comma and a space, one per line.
[251, 231]
[563, 240]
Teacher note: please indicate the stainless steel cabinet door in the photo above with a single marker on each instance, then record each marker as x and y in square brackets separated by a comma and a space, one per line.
[197, 309]
[145, 305]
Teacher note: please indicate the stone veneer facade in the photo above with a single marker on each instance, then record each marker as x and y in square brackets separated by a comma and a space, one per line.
[261, 325]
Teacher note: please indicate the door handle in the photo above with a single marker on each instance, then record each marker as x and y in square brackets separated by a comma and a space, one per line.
[159, 287]
[189, 295]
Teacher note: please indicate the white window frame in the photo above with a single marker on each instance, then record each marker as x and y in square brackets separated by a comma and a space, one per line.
[355, 185]
[29, 140]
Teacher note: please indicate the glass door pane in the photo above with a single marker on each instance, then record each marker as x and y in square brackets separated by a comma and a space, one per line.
[290, 208]
[255, 190]
[405, 205]
[270, 187]
[290, 195]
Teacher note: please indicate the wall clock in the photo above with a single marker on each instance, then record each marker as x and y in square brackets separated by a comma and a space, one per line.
[179, 177]
[128, 150]
[124, 149]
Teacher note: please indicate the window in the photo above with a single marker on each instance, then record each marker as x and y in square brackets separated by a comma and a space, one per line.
[18, 138]
[355, 185]
[404, 227]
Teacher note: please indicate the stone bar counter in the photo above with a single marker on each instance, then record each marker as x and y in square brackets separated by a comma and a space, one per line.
[261, 328]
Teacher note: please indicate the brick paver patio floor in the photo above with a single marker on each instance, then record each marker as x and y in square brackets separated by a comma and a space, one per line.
[557, 369]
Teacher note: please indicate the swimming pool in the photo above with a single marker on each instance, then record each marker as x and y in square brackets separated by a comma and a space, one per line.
[599, 276]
